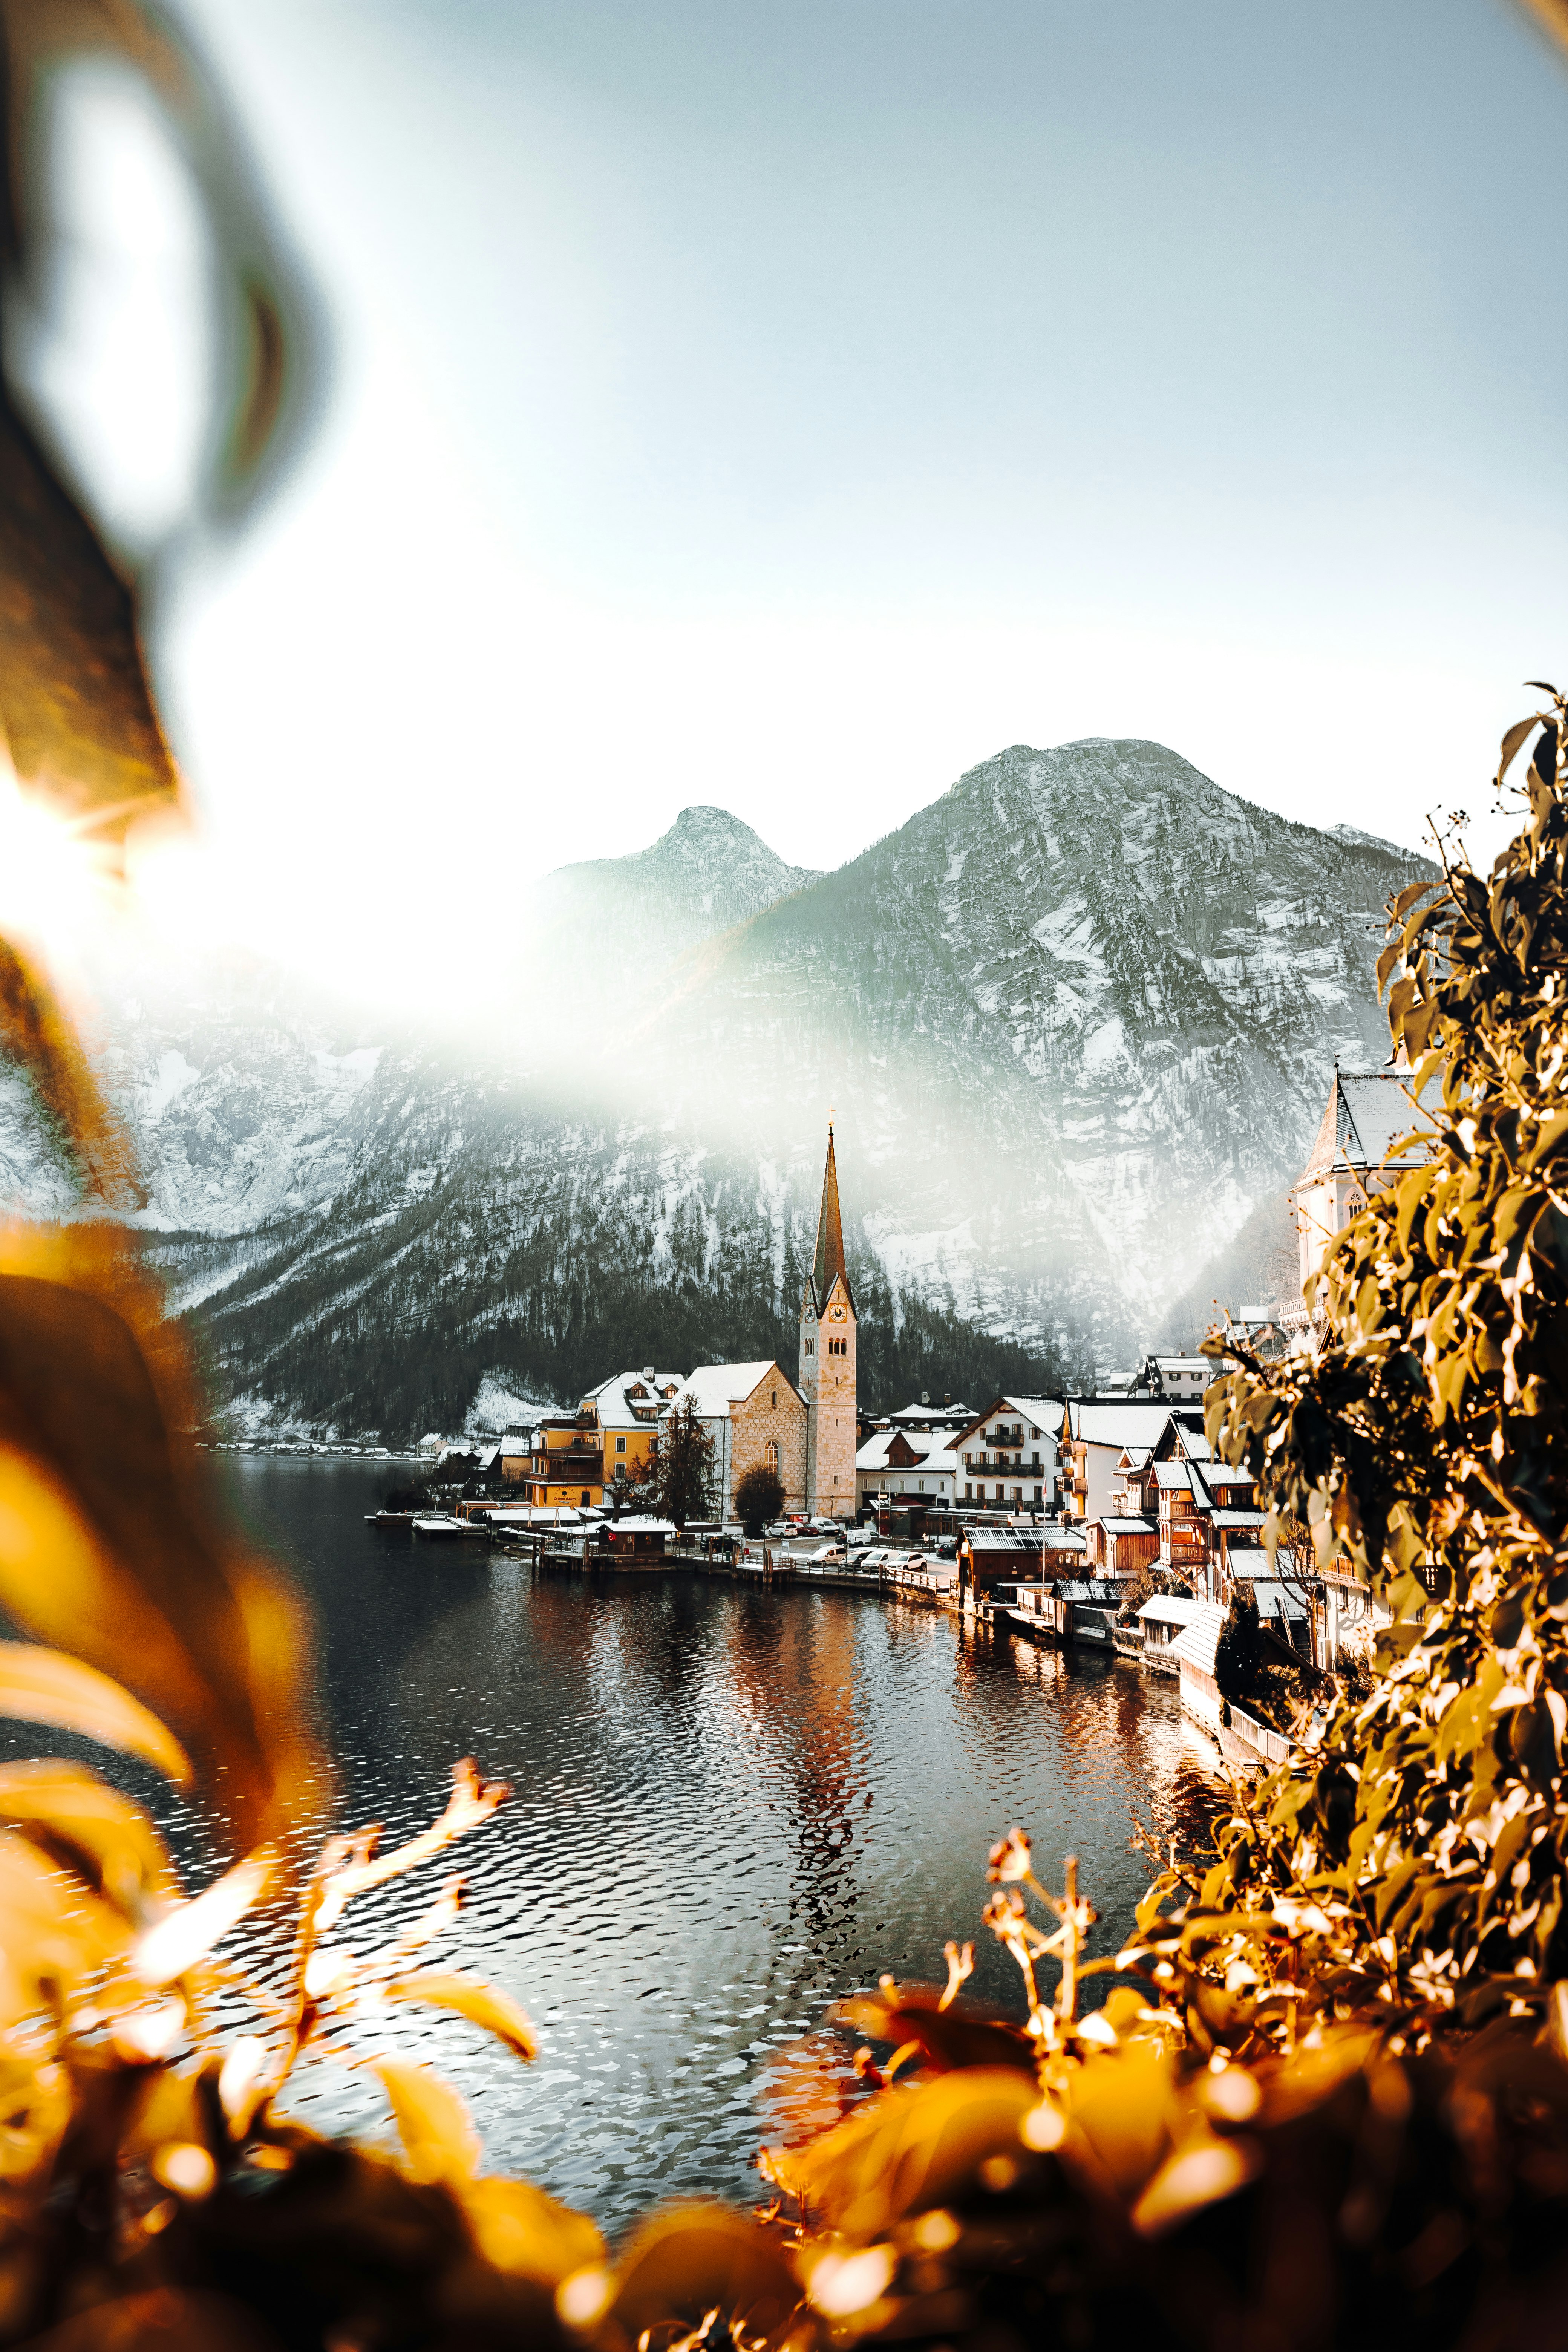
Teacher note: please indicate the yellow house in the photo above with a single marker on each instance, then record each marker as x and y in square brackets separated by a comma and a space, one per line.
[624, 1412]
[565, 1465]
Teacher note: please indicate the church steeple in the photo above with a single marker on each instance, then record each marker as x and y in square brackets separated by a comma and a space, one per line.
[829, 1258]
[828, 1332]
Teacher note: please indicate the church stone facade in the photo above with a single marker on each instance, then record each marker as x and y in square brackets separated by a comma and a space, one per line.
[827, 1336]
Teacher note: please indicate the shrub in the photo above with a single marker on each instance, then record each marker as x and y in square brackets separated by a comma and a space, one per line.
[759, 1498]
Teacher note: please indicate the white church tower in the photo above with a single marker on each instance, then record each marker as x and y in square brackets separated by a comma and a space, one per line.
[827, 1327]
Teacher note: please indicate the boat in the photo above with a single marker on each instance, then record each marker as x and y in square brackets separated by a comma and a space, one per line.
[390, 1518]
[439, 1527]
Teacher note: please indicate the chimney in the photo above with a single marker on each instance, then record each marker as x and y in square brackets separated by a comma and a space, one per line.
[648, 1371]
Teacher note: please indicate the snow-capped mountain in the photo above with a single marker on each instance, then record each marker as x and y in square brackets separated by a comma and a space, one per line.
[1076, 1021]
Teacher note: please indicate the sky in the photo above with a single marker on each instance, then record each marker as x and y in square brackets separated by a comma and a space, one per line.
[788, 406]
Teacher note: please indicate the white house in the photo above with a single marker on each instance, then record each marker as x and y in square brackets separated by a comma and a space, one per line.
[1097, 1437]
[920, 1467]
[1007, 1454]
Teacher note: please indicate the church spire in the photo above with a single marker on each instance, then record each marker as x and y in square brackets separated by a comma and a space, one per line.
[829, 1258]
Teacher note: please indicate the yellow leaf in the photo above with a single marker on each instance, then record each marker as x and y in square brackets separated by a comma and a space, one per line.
[1197, 2174]
[434, 2126]
[109, 1840]
[919, 2144]
[519, 2230]
[39, 1686]
[188, 1934]
[471, 1998]
[700, 2258]
[111, 1545]
[58, 1937]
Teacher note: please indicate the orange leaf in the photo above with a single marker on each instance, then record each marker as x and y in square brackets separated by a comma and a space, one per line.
[434, 2126]
[39, 1686]
[471, 1998]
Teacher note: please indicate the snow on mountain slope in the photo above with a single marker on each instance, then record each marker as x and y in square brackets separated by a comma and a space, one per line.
[1076, 1019]
[1078, 1016]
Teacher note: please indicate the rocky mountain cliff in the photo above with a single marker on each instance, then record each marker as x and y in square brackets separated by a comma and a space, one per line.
[1076, 1020]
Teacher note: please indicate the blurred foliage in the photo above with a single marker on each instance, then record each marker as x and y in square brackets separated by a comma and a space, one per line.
[76, 712]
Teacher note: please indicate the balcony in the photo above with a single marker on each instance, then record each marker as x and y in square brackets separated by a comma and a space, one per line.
[572, 1468]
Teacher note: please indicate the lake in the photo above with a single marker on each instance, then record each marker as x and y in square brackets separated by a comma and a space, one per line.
[729, 1808]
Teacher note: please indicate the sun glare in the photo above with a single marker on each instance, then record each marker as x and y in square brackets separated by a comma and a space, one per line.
[51, 881]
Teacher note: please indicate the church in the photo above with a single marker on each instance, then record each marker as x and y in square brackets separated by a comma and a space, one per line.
[827, 1331]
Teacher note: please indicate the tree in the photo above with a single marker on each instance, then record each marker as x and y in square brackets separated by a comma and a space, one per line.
[675, 1477]
[759, 1498]
[1426, 1445]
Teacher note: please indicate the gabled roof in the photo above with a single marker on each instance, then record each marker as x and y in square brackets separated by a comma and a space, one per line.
[1170, 1608]
[931, 1455]
[1172, 1478]
[615, 1406]
[1197, 1645]
[1044, 1413]
[1116, 1422]
[1367, 1111]
[714, 1388]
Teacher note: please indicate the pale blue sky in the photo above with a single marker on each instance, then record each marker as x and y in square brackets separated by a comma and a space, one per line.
[788, 406]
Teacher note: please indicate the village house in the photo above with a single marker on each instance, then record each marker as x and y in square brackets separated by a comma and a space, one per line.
[926, 1415]
[625, 1411]
[755, 1417]
[1096, 1438]
[563, 1465]
[916, 1467]
[1007, 1454]
[1179, 1380]
[1368, 1111]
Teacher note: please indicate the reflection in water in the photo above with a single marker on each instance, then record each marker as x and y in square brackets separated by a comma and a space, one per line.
[730, 1809]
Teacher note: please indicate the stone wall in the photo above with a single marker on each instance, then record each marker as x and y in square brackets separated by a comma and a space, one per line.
[761, 1420]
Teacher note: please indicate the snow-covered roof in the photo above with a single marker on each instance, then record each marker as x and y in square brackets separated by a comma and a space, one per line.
[932, 1416]
[1185, 1364]
[615, 1406]
[1120, 1424]
[1238, 1519]
[1129, 1527]
[636, 1525]
[1040, 1412]
[931, 1454]
[1101, 1591]
[1170, 1608]
[1199, 1639]
[712, 1389]
[1277, 1597]
[1172, 1478]
[1252, 1561]
[1226, 1473]
[1134, 1457]
[1367, 1111]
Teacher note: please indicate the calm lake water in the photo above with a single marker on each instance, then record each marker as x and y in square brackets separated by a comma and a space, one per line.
[729, 1808]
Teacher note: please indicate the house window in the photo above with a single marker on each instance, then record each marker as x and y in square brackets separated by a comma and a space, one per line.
[620, 1445]
[771, 1456]
[1038, 1497]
